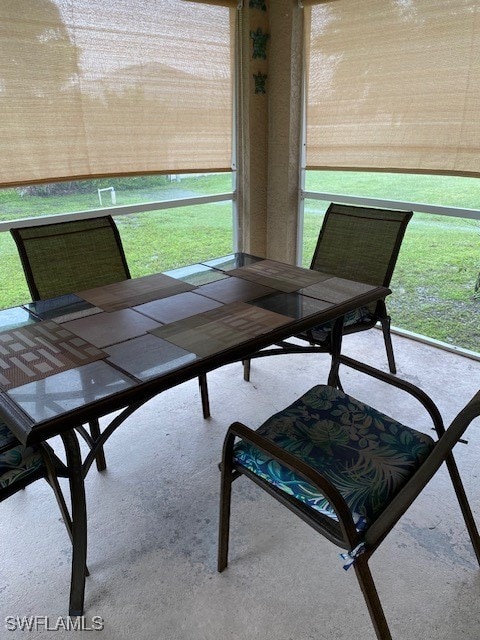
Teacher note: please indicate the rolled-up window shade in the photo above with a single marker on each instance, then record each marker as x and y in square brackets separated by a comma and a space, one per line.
[394, 85]
[89, 88]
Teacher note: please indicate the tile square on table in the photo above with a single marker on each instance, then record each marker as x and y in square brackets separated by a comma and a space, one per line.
[233, 290]
[177, 307]
[284, 277]
[108, 328]
[68, 390]
[148, 356]
[36, 351]
[222, 328]
[292, 304]
[337, 290]
[130, 293]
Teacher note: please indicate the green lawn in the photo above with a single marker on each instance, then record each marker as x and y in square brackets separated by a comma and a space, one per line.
[433, 284]
[153, 241]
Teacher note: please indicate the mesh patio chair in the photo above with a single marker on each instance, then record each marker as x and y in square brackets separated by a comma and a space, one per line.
[64, 257]
[21, 465]
[346, 469]
[356, 243]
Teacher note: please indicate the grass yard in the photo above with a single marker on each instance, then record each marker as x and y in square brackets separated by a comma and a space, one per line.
[433, 284]
[153, 241]
[162, 240]
[434, 281]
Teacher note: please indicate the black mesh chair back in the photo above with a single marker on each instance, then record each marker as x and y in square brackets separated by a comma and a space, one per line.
[65, 257]
[356, 243]
[360, 243]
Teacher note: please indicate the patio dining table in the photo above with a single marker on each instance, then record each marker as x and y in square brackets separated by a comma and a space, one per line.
[70, 360]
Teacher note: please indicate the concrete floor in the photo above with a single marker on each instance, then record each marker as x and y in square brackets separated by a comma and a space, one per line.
[153, 524]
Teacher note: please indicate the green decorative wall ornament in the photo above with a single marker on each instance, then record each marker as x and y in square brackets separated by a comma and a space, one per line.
[260, 80]
[259, 44]
[257, 4]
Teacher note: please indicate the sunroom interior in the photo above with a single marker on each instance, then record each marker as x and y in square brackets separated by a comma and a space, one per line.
[267, 91]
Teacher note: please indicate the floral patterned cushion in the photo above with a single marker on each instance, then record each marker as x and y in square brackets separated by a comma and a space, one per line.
[17, 462]
[365, 454]
[357, 316]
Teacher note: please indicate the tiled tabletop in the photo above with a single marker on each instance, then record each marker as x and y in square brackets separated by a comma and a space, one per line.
[61, 354]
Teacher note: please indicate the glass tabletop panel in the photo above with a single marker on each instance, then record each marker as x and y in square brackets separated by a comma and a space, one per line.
[291, 304]
[68, 390]
[232, 261]
[196, 274]
[148, 356]
[14, 318]
[63, 308]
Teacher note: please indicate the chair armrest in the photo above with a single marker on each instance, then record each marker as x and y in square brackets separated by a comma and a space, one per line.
[440, 454]
[404, 385]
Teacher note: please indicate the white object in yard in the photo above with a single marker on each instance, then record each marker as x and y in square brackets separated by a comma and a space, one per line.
[112, 195]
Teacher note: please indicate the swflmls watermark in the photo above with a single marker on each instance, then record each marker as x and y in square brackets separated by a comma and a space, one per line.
[46, 623]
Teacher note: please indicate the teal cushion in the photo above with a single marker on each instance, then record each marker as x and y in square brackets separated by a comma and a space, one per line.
[365, 454]
[18, 462]
[357, 316]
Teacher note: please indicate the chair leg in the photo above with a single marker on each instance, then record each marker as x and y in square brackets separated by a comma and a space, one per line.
[385, 322]
[202, 382]
[370, 594]
[224, 520]
[100, 457]
[464, 505]
[246, 369]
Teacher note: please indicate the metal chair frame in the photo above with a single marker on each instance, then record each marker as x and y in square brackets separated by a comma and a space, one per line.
[344, 533]
[51, 470]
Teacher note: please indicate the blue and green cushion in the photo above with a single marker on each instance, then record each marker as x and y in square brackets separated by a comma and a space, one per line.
[359, 316]
[365, 454]
[17, 461]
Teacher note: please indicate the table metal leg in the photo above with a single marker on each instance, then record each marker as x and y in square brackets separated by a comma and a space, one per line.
[336, 349]
[79, 522]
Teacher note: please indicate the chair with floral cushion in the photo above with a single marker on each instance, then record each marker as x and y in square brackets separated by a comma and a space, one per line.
[345, 468]
[21, 465]
[356, 243]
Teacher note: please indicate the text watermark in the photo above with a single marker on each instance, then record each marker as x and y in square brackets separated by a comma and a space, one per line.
[47, 623]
